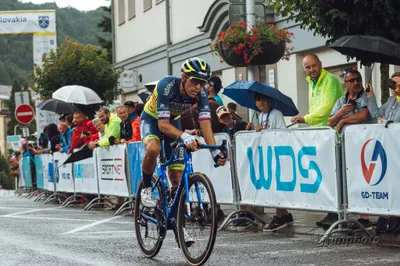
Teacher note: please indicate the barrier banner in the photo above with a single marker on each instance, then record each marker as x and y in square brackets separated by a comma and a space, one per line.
[21, 179]
[27, 171]
[85, 176]
[64, 180]
[39, 171]
[111, 170]
[288, 168]
[372, 168]
[46, 160]
[136, 153]
[51, 185]
[220, 177]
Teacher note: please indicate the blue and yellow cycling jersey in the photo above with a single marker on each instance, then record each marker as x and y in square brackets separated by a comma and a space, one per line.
[167, 103]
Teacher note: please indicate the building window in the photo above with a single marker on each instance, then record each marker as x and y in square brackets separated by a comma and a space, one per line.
[146, 4]
[131, 9]
[121, 12]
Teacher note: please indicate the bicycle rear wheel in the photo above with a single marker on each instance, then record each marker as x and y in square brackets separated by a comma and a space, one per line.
[149, 223]
[197, 234]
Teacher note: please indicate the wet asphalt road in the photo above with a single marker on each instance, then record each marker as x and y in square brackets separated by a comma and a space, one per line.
[32, 233]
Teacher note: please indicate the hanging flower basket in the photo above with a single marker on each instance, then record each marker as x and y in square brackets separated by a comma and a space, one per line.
[264, 44]
[272, 53]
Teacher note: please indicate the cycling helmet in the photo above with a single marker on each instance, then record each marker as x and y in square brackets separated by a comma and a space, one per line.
[196, 68]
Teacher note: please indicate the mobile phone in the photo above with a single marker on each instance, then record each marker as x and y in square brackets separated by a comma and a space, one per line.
[352, 102]
[85, 133]
[390, 84]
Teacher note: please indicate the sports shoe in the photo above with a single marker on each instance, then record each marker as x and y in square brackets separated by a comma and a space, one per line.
[328, 220]
[277, 223]
[288, 219]
[364, 222]
[382, 226]
[188, 238]
[146, 198]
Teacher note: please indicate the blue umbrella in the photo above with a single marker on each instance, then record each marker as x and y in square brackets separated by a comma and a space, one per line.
[242, 92]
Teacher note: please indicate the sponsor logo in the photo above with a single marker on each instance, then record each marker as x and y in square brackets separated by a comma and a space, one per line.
[373, 150]
[111, 169]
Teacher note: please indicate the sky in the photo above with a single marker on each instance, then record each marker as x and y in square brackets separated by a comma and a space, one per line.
[83, 5]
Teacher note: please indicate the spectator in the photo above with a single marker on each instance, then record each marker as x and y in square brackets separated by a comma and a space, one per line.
[231, 126]
[131, 110]
[69, 120]
[390, 111]
[65, 137]
[324, 90]
[136, 123]
[100, 129]
[81, 132]
[53, 136]
[93, 131]
[112, 128]
[351, 108]
[190, 118]
[125, 126]
[213, 87]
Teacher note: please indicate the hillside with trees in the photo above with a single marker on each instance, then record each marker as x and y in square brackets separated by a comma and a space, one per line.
[16, 51]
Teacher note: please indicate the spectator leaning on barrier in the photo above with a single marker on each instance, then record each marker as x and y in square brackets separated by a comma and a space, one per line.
[353, 107]
[231, 126]
[80, 134]
[136, 123]
[112, 128]
[213, 87]
[125, 126]
[324, 90]
[390, 111]
[65, 137]
[131, 110]
[100, 129]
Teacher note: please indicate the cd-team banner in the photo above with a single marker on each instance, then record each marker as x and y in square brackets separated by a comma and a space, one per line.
[372, 168]
[27, 22]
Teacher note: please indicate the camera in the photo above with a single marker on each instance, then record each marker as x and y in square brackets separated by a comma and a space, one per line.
[390, 84]
[352, 102]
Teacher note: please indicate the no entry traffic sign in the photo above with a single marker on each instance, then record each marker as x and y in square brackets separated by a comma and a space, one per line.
[24, 113]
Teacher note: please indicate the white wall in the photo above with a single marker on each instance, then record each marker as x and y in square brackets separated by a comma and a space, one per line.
[140, 34]
[186, 16]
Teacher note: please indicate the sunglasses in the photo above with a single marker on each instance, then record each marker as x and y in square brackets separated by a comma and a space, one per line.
[197, 81]
[353, 80]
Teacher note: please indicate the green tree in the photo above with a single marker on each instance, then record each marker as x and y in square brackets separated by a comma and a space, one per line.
[6, 180]
[75, 64]
[335, 18]
[106, 26]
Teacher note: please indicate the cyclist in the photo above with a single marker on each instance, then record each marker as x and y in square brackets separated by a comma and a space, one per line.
[161, 115]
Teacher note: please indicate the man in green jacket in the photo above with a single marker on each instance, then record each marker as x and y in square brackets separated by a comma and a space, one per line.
[324, 90]
[112, 128]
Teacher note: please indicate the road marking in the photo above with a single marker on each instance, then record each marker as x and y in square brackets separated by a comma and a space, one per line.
[47, 218]
[108, 232]
[34, 210]
[90, 225]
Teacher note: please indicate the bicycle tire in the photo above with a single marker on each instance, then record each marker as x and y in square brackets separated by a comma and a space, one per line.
[149, 253]
[197, 177]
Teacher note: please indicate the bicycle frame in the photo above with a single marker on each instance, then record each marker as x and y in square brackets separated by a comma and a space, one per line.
[171, 212]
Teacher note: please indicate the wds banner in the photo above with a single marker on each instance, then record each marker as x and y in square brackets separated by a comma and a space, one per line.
[39, 171]
[372, 163]
[288, 168]
[111, 170]
[27, 21]
[27, 171]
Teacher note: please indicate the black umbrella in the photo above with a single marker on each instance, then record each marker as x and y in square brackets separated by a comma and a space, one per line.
[79, 155]
[368, 49]
[57, 106]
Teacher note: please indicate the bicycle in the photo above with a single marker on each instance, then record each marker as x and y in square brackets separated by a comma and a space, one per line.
[173, 211]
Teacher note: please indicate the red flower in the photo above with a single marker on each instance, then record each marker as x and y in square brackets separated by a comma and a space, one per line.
[254, 38]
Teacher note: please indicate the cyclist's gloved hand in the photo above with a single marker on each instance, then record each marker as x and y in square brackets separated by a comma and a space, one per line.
[218, 157]
[190, 141]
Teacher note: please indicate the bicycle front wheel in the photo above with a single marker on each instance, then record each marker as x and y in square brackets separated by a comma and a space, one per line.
[197, 232]
[149, 223]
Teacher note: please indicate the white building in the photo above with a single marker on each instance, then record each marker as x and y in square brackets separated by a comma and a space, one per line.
[154, 37]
